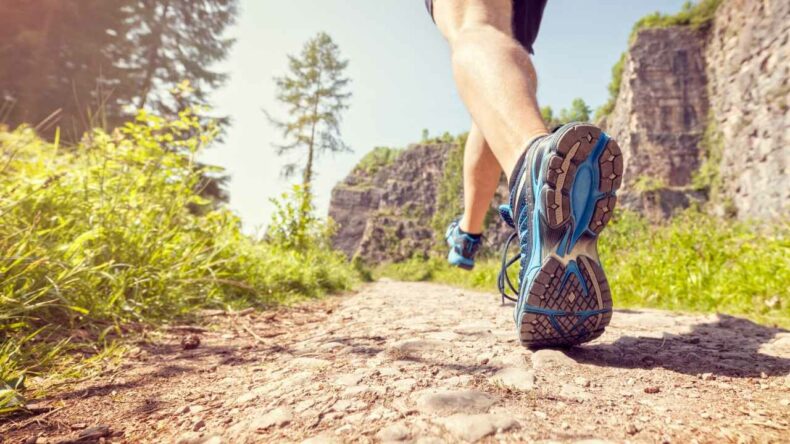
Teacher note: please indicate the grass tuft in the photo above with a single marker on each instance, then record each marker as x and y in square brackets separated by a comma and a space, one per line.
[105, 233]
[696, 263]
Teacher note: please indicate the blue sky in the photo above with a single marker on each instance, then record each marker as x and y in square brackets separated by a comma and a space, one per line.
[401, 79]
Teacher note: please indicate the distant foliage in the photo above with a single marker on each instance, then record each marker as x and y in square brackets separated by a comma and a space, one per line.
[578, 112]
[449, 199]
[315, 93]
[104, 233]
[614, 88]
[377, 159]
[100, 60]
[691, 14]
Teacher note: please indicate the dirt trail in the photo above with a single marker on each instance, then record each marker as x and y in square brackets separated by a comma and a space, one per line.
[427, 363]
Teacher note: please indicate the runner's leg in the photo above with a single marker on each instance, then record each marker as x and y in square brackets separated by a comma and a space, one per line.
[494, 74]
[481, 178]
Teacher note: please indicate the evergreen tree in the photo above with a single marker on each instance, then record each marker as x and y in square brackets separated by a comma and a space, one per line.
[97, 61]
[314, 92]
[177, 40]
[578, 112]
[57, 56]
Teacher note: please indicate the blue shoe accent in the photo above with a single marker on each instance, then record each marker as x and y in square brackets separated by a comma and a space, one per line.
[562, 199]
[463, 247]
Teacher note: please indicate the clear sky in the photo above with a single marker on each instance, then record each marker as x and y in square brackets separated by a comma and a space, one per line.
[401, 79]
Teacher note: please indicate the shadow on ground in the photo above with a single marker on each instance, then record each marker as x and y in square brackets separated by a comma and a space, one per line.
[728, 347]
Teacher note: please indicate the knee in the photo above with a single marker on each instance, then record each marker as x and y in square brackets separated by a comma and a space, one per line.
[469, 43]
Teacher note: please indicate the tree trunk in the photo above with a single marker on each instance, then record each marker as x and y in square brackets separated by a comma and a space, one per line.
[153, 56]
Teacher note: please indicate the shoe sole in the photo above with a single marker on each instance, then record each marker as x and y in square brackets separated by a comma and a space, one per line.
[568, 297]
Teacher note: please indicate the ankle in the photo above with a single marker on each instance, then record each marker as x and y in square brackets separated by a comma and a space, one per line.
[472, 230]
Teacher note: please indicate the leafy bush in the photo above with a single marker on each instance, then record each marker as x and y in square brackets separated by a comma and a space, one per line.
[102, 233]
[691, 14]
[377, 159]
[696, 262]
[614, 88]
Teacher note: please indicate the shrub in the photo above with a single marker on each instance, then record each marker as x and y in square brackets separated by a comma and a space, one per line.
[101, 233]
[696, 262]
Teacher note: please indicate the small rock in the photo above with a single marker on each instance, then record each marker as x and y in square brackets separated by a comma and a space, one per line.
[190, 342]
[343, 429]
[94, 433]
[449, 402]
[277, 417]
[405, 385]
[763, 375]
[342, 405]
[631, 429]
[575, 393]
[785, 402]
[472, 428]
[708, 377]
[540, 415]
[581, 382]
[247, 397]
[348, 380]
[78, 426]
[550, 358]
[652, 390]
[323, 438]
[308, 363]
[199, 425]
[393, 433]
[514, 377]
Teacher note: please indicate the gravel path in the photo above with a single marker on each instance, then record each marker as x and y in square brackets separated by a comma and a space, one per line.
[426, 363]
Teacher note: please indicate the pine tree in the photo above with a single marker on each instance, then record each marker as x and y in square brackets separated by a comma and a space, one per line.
[97, 61]
[314, 92]
[176, 41]
[57, 57]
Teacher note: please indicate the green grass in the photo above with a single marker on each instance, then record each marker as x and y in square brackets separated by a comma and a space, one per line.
[695, 263]
[378, 158]
[114, 231]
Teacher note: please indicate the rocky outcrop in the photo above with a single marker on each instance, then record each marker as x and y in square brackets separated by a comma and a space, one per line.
[717, 94]
[660, 114]
[387, 215]
[748, 60]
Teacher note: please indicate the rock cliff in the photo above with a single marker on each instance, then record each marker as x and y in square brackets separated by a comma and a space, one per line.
[713, 97]
[387, 215]
[702, 116]
[748, 62]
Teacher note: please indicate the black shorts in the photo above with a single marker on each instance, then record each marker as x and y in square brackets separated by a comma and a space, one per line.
[527, 15]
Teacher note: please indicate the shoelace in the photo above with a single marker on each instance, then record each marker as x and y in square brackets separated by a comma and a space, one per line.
[503, 279]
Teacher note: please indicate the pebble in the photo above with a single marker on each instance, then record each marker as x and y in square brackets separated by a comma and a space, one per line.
[652, 390]
[575, 393]
[514, 377]
[348, 380]
[393, 433]
[309, 363]
[199, 425]
[323, 438]
[581, 382]
[405, 385]
[472, 428]
[449, 402]
[277, 417]
[551, 358]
